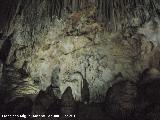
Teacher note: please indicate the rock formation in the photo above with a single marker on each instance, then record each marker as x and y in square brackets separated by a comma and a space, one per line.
[49, 45]
[42, 103]
[18, 106]
[97, 38]
[68, 103]
[148, 95]
[120, 101]
[85, 92]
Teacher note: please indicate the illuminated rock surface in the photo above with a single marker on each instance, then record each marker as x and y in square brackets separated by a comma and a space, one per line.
[69, 35]
[83, 44]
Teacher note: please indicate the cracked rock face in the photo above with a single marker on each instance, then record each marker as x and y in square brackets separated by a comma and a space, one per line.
[65, 51]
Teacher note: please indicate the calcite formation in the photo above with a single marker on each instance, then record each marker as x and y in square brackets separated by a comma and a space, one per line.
[64, 42]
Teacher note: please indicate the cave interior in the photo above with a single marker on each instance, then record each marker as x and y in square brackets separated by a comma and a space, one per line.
[80, 59]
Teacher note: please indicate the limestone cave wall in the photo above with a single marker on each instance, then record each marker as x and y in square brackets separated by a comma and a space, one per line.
[64, 42]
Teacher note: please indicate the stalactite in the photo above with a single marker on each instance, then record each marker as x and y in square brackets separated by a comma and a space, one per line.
[110, 12]
[127, 9]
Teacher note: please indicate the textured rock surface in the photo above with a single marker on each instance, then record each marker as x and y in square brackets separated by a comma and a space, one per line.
[66, 42]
